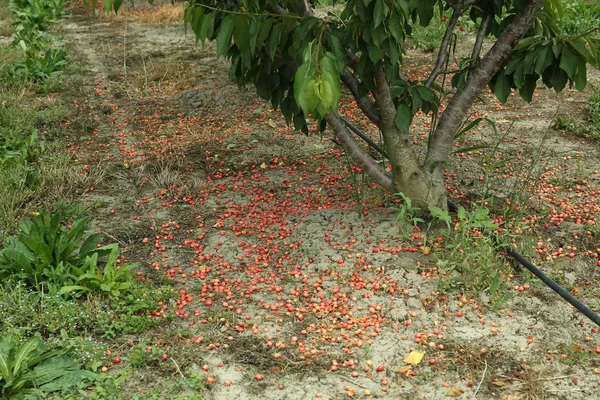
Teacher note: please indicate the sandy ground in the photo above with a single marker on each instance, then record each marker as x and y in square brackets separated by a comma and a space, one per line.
[290, 265]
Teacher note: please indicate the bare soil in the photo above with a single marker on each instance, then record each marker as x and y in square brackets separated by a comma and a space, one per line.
[289, 262]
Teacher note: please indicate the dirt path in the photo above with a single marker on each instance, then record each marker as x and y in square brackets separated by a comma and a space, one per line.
[289, 264]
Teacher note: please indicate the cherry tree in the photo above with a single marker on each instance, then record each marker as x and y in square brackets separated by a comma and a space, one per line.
[300, 59]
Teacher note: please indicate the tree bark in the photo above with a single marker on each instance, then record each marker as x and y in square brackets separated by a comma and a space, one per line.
[408, 175]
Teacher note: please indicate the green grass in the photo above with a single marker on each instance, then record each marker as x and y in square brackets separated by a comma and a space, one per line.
[589, 128]
[4, 11]
[580, 16]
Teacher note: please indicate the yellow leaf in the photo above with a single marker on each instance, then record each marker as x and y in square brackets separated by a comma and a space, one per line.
[454, 392]
[414, 357]
[597, 371]
[498, 383]
[263, 165]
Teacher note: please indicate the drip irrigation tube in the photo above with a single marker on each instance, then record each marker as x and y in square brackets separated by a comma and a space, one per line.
[562, 292]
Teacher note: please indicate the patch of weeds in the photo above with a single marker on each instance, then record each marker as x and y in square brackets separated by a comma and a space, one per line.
[429, 38]
[24, 312]
[107, 387]
[594, 110]
[29, 369]
[51, 257]
[189, 386]
[31, 176]
[69, 210]
[143, 354]
[85, 350]
[45, 55]
[573, 354]
[579, 17]
[130, 314]
[469, 260]
[568, 124]
[589, 129]
[409, 216]
[4, 10]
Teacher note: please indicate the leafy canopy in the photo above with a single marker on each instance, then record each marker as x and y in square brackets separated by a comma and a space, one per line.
[295, 56]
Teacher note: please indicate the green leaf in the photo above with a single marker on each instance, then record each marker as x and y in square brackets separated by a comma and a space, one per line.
[301, 82]
[440, 214]
[241, 33]
[379, 35]
[303, 29]
[58, 373]
[501, 87]
[253, 30]
[6, 348]
[558, 80]
[90, 244]
[23, 352]
[395, 28]
[473, 124]
[74, 288]
[375, 53]
[105, 287]
[379, 13]
[117, 4]
[338, 52]
[580, 78]
[417, 101]
[523, 43]
[428, 95]
[528, 87]
[394, 51]
[263, 33]
[403, 117]
[471, 148]
[224, 36]
[569, 62]
[543, 60]
[273, 41]
[207, 27]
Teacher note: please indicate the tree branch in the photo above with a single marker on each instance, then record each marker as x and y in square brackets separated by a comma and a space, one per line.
[385, 104]
[444, 52]
[353, 59]
[363, 102]
[357, 153]
[480, 36]
[443, 137]
[307, 8]
[277, 9]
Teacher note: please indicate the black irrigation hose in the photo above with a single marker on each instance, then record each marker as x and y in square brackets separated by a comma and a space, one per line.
[562, 292]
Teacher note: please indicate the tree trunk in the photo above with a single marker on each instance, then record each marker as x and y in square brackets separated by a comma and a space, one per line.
[408, 176]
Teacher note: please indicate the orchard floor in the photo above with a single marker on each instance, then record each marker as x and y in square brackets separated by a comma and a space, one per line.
[290, 265]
